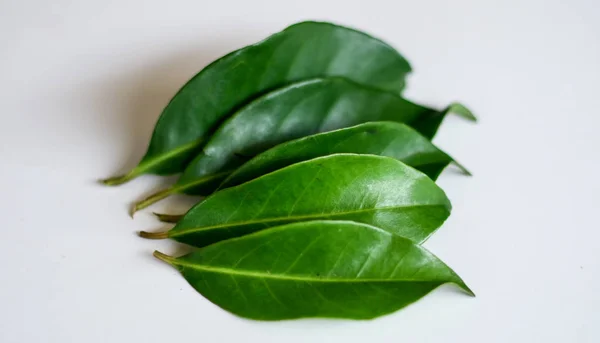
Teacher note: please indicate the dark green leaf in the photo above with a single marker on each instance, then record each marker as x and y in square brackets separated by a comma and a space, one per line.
[302, 51]
[428, 123]
[294, 111]
[374, 190]
[336, 269]
[376, 138]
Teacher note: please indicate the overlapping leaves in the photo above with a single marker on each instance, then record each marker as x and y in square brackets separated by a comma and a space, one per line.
[302, 51]
[390, 139]
[298, 110]
[319, 176]
[369, 189]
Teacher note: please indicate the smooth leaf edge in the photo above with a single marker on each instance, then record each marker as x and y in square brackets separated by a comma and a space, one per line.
[175, 261]
[459, 282]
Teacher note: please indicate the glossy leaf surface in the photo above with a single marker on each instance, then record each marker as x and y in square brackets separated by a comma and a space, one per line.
[336, 269]
[374, 190]
[376, 138]
[302, 51]
[294, 111]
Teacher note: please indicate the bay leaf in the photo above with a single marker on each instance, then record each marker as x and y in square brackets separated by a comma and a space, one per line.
[390, 139]
[332, 269]
[375, 190]
[294, 111]
[302, 51]
[376, 138]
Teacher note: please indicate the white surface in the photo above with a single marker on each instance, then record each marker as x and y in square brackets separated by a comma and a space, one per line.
[82, 83]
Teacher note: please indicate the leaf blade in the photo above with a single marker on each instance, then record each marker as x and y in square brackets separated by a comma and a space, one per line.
[291, 112]
[315, 277]
[376, 138]
[237, 77]
[393, 196]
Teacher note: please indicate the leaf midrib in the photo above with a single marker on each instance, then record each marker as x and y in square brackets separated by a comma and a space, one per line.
[202, 180]
[158, 159]
[293, 218]
[300, 278]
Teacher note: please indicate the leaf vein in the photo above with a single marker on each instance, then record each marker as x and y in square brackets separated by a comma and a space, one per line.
[296, 218]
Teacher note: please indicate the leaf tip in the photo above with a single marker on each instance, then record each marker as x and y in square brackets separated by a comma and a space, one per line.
[462, 168]
[468, 290]
[462, 111]
[463, 286]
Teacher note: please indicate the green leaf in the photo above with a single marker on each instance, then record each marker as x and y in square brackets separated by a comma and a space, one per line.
[335, 269]
[374, 190]
[428, 123]
[376, 138]
[302, 51]
[294, 111]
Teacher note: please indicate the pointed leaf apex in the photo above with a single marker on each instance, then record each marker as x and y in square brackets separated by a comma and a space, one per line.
[462, 168]
[465, 288]
[462, 111]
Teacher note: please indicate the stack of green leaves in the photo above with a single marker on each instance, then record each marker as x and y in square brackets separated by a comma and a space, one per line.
[318, 178]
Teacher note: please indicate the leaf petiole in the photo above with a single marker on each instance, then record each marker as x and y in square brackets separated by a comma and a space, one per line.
[154, 235]
[168, 218]
[164, 257]
[121, 179]
[153, 198]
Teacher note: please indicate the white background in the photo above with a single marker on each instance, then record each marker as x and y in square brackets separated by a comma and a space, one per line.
[81, 86]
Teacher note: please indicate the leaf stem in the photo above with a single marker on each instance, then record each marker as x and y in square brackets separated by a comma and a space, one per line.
[148, 164]
[121, 179]
[154, 235]
[168, 218]
[165, 258]
[153, 198]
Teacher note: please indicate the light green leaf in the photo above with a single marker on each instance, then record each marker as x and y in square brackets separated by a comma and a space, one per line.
[374, 190]
[330, 269]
